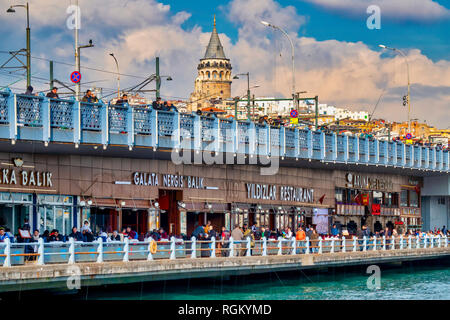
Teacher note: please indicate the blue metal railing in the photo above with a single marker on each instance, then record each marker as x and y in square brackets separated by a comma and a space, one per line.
[56, 120]
[14, 254]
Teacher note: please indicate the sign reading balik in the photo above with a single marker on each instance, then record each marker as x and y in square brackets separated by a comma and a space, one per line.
[26, 178]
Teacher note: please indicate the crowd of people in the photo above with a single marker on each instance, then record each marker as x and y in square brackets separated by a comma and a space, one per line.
[207, 232]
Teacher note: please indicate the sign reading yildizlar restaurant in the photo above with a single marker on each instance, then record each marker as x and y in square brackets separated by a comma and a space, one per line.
[286, 193]
[168, 180]
[12, 176]
[365, 182]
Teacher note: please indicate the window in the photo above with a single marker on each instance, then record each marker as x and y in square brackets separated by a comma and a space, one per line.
[441, 201]
[413, 199]
[377, 197]
[387, 200]
[339, 195]
[404, 198]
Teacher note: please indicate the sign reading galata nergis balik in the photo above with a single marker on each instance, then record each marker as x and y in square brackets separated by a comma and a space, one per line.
[26, 178]
[168, 180]
[283, 193]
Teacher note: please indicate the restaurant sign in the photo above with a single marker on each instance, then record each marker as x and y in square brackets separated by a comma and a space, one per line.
[364, 182]
[26, 178]
[168, 180]
[284, 193]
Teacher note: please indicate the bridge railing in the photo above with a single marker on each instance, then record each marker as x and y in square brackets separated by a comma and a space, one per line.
[16, 254]
[39, 118]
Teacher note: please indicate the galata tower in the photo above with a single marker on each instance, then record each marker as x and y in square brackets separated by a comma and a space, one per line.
[213, 82]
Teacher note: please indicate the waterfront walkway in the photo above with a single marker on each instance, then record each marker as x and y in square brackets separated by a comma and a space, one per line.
[169, 263]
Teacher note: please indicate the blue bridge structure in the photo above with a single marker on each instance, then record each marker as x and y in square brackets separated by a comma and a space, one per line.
[46, 121]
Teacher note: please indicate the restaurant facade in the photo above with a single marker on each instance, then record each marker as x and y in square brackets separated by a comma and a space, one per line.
[56, 191]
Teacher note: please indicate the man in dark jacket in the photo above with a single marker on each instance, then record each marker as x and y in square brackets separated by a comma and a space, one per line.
[123, 100]
[89, 97]
[55, 236]
[53, 94]
[157, 104]
[29, 91]
[132, 235]
[76, 235]
[199, 232]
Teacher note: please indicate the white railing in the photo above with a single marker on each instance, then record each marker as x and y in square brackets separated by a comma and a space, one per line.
[12, 254]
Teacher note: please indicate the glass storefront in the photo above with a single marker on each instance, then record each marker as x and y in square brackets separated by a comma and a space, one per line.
[55, 212]
[14, 209]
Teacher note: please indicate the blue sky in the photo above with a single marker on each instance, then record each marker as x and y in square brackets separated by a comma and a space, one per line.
[337, 57]
[432, 38]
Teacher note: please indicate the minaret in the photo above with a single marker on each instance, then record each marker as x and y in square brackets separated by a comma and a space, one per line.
[213, 81]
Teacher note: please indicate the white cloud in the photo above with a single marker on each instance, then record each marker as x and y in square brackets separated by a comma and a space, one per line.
[341, 73]
[413, 10]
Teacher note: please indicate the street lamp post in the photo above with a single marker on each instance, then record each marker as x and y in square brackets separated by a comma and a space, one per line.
[78, 64]
[409, 82]
[118, 75]
[11, 10]
[78, 52]
[267, 24]
[248, 90]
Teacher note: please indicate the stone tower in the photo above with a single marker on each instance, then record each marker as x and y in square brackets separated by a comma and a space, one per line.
[213, 82]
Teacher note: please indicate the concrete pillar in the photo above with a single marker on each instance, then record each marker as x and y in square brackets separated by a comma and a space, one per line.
[40, 261]
[280, 245]
[104, 120]
[71, 250]
[294, 246]
[194, 247]
[7, 253]
[364, 243]
[354, 244]
[46, 121]
[384, 243]
[307, 245]
[100, 250]
[126, 249]
[172, 249]
[320, 245]
[264, 250]
[76, 114]
[213, 247]
[343, 244]
[11, 102]
[346, 151]
[249, 247]
[374, 243]
[231, 247]
[130, 127]
[154, 129]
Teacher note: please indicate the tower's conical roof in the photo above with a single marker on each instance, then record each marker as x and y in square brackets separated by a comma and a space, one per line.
[214, 49]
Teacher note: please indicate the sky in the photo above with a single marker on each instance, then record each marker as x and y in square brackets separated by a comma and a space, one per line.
[336, 55]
